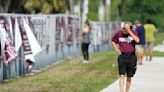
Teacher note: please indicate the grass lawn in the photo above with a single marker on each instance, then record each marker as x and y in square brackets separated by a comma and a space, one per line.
[69, 76]
[159, 37]
[158, 54]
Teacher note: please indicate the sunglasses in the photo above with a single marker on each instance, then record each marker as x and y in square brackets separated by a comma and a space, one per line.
[124, 28]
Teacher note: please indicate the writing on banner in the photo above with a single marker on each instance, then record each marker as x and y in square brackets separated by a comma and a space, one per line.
[39, 26]
[25, 41]
[8, 50]
[73, 29]
[77, 30]
[69, 31]
[60, 31]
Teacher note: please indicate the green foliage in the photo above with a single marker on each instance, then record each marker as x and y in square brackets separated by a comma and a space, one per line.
[47, 8]
[4, 5]
[93, 10]
[33, 6]
[60, 6]
[158, 54]
[141, 10]
[75, 2]
[159, 37]
[93, 16]
[114, 10]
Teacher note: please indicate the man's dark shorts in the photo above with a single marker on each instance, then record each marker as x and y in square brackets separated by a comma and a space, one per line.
[127, 64]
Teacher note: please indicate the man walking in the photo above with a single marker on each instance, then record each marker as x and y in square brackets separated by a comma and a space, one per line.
[149, 31]
[126, 39]
[140, 46]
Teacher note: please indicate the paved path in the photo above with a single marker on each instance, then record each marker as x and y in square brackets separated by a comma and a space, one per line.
[149, 76]
[159, 48]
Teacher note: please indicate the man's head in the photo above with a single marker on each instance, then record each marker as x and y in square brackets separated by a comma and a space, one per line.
[138, 23]
[127, 24]
[148, 21]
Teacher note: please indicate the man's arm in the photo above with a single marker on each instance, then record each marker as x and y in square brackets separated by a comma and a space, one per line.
[115, 41]
[136, 39]
[116, 48]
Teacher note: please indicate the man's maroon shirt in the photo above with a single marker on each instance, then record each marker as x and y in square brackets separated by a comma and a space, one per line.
[125, 41]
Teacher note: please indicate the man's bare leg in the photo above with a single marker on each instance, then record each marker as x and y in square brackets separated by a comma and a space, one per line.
[128, 83]
[122, 79]
[138, 57]
[151, 54]
[141, 56]
[147, 51]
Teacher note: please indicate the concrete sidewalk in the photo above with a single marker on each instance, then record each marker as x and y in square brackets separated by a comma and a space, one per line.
[149, 78]
[159, 48]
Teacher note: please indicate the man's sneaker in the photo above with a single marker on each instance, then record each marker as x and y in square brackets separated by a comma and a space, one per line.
[150, 59]
[146, 59]
[85, 61]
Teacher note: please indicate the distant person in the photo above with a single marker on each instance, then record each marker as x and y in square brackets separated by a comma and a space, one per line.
[127, 60]
[85, 34]
[140, 46]
[149, 34]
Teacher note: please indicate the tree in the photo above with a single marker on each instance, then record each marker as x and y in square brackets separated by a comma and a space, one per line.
[33, 6]
[4, 5]
[141, 10]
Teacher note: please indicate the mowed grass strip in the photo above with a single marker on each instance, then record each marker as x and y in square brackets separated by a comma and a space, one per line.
[69, 76]
[158, 54]
[159, 37]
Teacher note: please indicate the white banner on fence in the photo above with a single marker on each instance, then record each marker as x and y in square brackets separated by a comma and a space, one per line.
[35, 47]
[18, 39]
[8, 50]
[40, 28]
[60, 31]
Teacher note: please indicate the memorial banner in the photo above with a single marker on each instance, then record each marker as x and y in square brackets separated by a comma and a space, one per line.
[8, 50]
[39, 26]
[60, 31]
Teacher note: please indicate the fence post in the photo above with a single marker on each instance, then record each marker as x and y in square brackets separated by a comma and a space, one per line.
[5, 71]
[22, 62]
[1, 70]
[12, 70]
